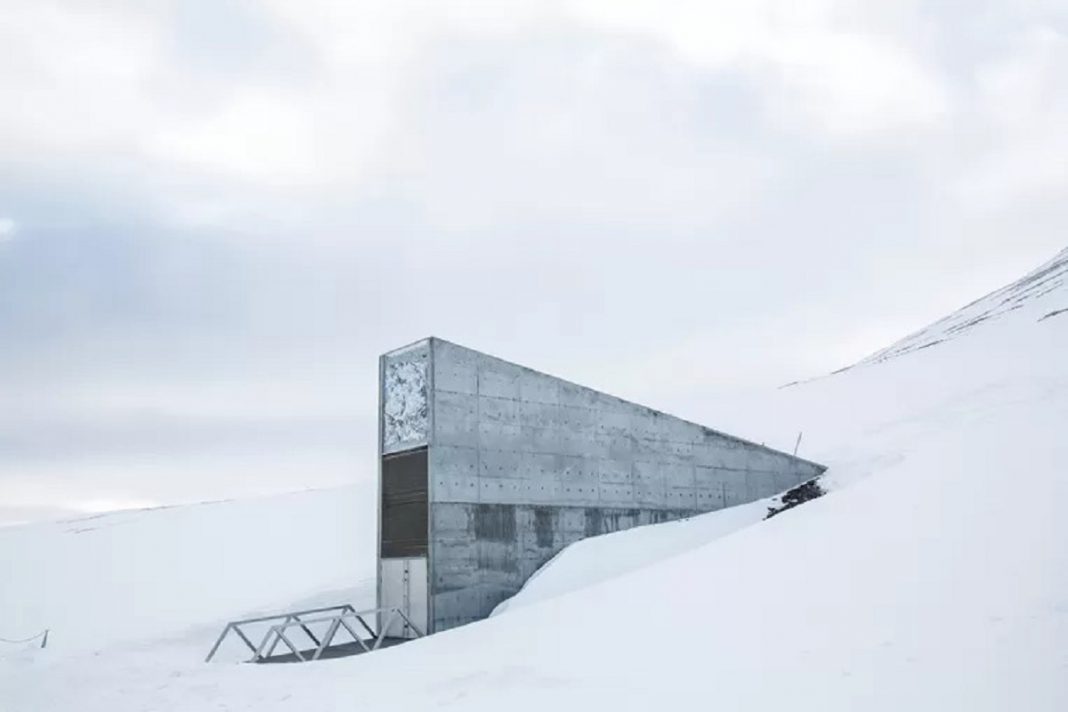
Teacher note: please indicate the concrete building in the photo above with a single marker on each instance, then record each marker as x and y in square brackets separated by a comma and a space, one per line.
[488, 469]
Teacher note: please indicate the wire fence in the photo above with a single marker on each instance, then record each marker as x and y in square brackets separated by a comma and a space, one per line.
[43, 635]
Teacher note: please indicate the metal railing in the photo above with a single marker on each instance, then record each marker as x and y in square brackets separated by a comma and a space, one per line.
[43, 635]
[336, 617]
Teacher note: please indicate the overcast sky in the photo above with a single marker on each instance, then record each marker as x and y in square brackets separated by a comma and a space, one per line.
[214, 215]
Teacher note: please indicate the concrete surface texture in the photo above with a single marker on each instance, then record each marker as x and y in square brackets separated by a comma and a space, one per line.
[521, 464]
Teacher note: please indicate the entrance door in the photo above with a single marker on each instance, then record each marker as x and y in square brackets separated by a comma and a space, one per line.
[402, 572]
[404, 586]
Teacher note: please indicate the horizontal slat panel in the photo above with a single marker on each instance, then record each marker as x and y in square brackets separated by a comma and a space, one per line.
[404, 504]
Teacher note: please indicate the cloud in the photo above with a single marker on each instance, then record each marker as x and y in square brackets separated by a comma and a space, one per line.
[76, 77]
[572, 126]
[853, 86]
[7, 229]
[829, 63]
[256, 136]
[234, 207]
[1022, 99]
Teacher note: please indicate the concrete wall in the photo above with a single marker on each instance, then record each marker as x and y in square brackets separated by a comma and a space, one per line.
[522, 464]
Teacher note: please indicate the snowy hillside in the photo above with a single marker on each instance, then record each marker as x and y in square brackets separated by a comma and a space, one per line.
[934, 576]
[109, 578]
[858, 424]
[1040, 291]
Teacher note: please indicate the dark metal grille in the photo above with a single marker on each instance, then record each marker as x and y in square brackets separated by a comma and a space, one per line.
[404, 504]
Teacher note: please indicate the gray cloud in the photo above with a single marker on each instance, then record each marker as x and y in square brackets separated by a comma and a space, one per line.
[222, 214]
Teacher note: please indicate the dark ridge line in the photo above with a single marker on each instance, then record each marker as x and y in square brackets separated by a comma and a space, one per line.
[1037, 283]
[1055, 312]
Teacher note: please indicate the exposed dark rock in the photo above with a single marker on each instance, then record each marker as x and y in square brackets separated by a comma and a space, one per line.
[798, 495]
[1054, 313]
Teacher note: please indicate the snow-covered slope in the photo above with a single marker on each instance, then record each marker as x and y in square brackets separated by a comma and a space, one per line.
[600, 558]
[857, 422]
[1041, 291]
[861, 418]
[934, 576]
[97, 581]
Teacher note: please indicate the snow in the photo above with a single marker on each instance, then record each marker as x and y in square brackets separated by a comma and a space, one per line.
[600, 558]
[1032, 287]
[933, 576]
[111, 578]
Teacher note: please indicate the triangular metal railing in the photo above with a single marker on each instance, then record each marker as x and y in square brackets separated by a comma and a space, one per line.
[335, 617]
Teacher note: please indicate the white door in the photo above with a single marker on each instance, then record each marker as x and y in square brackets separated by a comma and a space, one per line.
[403, 585]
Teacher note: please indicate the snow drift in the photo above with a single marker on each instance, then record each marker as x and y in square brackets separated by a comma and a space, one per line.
[104, 579]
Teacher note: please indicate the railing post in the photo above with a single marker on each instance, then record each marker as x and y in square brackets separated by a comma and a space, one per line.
[215, 647]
